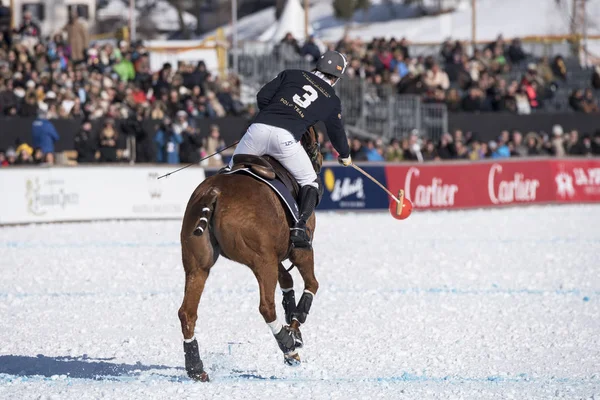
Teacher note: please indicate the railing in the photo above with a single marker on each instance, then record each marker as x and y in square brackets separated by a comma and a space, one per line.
[541, 48]
[375, 109]
[379, 110]
[262, 68]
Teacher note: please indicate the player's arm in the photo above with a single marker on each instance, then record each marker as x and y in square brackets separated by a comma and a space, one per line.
[337, 133]
[266, 93]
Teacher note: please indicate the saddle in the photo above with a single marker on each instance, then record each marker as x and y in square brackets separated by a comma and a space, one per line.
[268, 168]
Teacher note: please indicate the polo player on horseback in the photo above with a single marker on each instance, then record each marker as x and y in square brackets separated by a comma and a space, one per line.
[288, 105]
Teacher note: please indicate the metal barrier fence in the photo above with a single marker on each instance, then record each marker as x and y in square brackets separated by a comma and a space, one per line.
[262, 68]
[434, 120]
[535, 49]
[379, 110]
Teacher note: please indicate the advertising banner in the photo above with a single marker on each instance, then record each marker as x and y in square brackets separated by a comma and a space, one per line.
[346, 188]
[40, 194]
[92, 193]
[484, 184]
[577, 181]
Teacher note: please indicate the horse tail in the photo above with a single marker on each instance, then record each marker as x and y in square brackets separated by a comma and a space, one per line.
[204, 210]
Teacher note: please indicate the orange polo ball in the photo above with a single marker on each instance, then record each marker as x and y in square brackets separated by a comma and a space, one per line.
[401, 211]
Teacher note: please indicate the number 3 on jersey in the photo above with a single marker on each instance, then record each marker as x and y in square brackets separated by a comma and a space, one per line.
[310, 96]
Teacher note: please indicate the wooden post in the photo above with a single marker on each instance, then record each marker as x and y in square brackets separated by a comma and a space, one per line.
[585, 32]
[234, 29]
[132, 22]
[222, 60]
[473, 24]
[12, 14]
[306, 19]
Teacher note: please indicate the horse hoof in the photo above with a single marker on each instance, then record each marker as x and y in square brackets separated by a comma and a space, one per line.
[293, 359]
[201, 377]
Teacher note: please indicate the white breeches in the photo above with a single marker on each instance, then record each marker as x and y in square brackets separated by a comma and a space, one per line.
[261, 139]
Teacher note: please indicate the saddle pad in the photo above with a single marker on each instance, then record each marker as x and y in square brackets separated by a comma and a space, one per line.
[279, 188]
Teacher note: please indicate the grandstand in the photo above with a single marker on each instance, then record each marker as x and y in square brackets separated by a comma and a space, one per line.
[395, 89]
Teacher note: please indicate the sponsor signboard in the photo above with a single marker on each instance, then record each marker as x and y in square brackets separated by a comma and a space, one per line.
[577, 181]
[346, 188]
[90, 193]
[121, 192]
[497, 183]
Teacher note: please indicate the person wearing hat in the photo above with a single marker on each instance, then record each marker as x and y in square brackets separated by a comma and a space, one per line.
[11, 156]
[85, 144]
[290, 104]
[311, 50]
[44, 133]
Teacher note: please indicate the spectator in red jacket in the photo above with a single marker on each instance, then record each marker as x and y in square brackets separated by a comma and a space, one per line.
[3, 160]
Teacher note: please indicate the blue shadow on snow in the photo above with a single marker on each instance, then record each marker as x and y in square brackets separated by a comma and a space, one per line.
[74, 367]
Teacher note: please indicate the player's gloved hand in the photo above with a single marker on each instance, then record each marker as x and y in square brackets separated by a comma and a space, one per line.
[345, 161]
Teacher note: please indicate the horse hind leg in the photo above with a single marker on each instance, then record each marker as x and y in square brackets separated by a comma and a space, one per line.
[286, 339]
[196, 274]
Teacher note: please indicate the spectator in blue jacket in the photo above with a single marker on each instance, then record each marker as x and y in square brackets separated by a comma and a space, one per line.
[310, 50]
[372, 152]
[167, 143]
[399, 66]
[44, 134]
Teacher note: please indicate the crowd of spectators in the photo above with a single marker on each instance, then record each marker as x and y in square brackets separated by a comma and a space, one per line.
[111, 90]
[464, 82]
[466, 146]
[70, 77]
[63, 75]
[477, 82]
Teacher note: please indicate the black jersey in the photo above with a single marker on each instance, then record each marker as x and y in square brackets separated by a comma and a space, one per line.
[296, 100]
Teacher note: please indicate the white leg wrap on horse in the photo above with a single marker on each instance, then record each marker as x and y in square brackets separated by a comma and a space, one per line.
[287, 290]
[190, 340]
[275, 326]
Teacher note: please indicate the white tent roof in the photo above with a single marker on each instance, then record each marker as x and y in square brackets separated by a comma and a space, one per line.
[291, 20]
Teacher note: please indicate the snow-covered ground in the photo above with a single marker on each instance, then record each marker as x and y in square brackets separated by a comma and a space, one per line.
[469, 304]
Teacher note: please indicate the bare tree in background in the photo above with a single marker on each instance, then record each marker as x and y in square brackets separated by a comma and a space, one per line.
[145, 28]
[196, 10]
[178, 4]
[279, 4]
[391, 7]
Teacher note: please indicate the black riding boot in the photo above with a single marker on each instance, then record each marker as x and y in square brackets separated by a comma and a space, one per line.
[308, 201]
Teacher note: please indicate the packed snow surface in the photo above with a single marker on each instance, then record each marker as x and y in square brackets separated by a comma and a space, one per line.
[470, 304]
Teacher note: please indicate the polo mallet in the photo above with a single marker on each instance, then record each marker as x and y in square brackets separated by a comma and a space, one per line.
[205, 158]
[401, 207]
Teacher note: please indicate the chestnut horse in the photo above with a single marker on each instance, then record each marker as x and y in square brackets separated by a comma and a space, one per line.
[244, 220]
